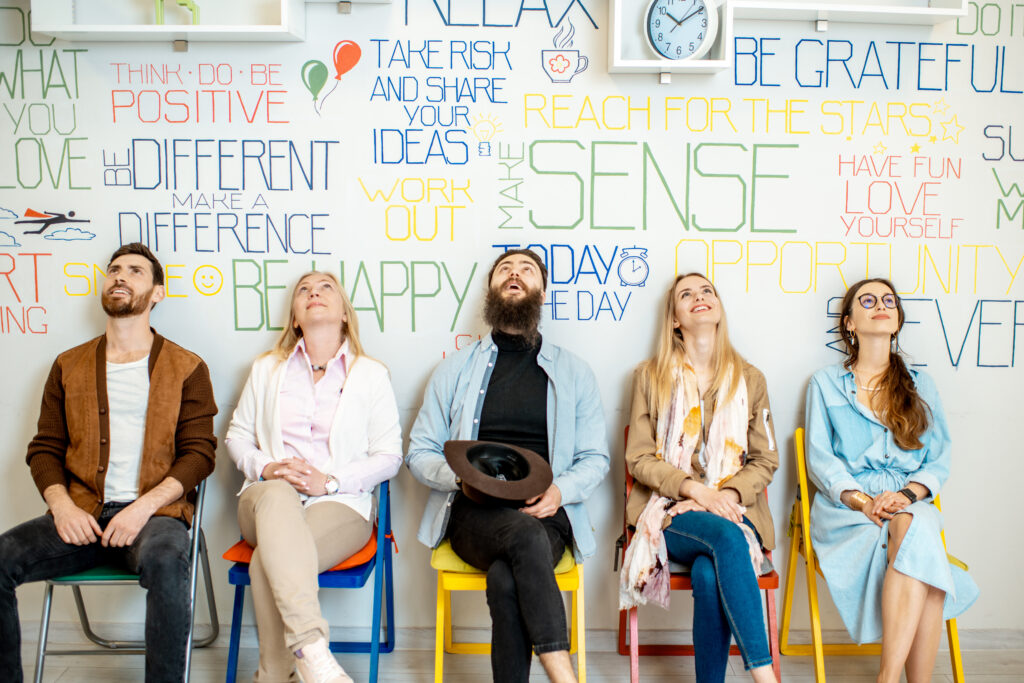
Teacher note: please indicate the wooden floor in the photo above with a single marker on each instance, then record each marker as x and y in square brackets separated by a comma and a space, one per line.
[417, 666]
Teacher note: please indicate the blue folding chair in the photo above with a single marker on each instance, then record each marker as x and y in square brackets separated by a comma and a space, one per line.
[351, 577]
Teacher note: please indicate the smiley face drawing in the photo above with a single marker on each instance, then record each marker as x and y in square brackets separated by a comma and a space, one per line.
[208, 280]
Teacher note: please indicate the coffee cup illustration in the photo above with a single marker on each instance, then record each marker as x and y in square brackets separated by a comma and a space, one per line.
[562, 65]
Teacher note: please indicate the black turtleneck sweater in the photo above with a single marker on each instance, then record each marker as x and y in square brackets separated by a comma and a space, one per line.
[516, 405]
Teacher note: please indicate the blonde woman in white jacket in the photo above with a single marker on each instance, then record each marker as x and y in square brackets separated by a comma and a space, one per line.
[315, 430]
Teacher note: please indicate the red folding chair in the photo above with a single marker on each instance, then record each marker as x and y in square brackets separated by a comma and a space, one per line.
[681, 581]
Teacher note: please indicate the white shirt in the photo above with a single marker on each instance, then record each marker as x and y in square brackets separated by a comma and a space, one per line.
[127, 399]
[365, 439]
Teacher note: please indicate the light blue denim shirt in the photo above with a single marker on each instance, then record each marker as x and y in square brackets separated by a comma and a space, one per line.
[849, 448]
[452, 404]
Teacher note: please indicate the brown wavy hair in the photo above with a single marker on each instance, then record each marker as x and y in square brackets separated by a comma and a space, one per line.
[897, 403]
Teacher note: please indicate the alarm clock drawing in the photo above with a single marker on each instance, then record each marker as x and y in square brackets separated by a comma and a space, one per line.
[633, 269]
[682, 29]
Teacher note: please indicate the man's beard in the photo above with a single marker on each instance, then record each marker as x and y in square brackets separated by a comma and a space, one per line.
[511, 314]
[126, 308]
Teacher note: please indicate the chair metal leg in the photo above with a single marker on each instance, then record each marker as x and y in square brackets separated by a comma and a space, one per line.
[378, 590]
[44, 628]
[389, 599]
[622, 647]
[954, 651]
[787, 595]
[236, 633]
[448, 644]
[773, 632]
[192, 587]
[812, 605]
[211, 600]
[634, 646]
[581, 626]
[137, 647]
[439, 629]
[573, 625]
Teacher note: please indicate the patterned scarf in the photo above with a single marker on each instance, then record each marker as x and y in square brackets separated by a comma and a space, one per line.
[645, 575]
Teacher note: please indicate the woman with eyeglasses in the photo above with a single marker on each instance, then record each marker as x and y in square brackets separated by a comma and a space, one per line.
[702, 451]
[878, 449]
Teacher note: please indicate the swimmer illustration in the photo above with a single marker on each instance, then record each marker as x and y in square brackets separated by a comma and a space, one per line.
[48, 220]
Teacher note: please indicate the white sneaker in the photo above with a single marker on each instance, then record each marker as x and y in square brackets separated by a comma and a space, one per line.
[316, 664]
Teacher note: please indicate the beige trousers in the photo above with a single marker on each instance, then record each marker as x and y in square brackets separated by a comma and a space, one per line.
[292, 545]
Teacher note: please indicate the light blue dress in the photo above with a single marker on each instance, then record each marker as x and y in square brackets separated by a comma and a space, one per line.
[848, 448]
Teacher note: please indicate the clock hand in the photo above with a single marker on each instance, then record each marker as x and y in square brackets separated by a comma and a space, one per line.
[694, 12]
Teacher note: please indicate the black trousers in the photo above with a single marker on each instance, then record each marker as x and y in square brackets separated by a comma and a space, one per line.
[33, 551]
[518, 552]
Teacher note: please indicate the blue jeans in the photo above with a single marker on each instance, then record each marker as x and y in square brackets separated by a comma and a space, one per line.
[726, 599]
[518, 552]
[33, 551]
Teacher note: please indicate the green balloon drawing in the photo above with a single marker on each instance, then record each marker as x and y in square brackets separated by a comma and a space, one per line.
[314, 75]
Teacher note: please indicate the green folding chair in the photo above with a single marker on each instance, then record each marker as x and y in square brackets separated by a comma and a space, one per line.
[108, 575]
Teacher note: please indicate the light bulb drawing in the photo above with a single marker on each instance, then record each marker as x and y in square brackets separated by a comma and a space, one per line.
[484, 129]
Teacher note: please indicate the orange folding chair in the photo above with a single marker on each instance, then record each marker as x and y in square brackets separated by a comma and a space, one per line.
[679, 581]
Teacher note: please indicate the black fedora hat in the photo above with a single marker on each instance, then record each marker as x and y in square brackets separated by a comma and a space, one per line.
[495, 473]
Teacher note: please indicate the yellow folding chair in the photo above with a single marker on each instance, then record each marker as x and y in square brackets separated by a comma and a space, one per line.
[800, 532]
[454, 574]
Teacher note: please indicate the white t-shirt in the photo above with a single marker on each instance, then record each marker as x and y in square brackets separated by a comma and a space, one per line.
[127, 400]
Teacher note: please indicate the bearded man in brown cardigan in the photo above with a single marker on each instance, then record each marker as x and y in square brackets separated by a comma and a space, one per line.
[125, 435]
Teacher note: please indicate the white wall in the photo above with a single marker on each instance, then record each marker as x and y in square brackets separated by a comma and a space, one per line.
[579, 156]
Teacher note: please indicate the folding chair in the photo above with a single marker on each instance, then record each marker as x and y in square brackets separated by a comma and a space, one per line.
[350, 573]
[680, 580]
[800, 532]
[454, 574]
[109, 575]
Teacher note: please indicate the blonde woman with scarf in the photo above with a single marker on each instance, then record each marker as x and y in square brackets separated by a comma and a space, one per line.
[702, 450]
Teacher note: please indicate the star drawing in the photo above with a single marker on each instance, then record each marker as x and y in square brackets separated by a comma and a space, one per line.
[879, 149]
[951, 130]
[915, 148]
[939, 106]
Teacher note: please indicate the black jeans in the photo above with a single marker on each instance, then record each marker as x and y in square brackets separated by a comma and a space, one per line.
[518, 552]
[160, 556]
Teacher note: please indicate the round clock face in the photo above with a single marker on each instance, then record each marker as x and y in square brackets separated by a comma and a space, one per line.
[681, 29]
[633, 270]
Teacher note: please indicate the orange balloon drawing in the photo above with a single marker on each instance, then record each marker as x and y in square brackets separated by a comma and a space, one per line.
[346, 55]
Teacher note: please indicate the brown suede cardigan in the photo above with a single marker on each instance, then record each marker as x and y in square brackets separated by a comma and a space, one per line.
[72, 445]
[651, 472]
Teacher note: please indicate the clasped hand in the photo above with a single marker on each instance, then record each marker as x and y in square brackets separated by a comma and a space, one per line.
[883, 506]
[75, 526]
[303, 477]
[724, 503]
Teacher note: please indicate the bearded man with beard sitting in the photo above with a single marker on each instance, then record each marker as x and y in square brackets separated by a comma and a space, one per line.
[514, 387]
[125, 435]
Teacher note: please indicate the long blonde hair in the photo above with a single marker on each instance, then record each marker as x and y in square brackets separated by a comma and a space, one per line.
[659, 371]
[291, 334]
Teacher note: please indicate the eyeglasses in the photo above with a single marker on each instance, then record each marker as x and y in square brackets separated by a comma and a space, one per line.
[870, 300]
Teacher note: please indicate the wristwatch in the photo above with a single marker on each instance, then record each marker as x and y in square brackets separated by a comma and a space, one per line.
[331, 486]
[909, 493]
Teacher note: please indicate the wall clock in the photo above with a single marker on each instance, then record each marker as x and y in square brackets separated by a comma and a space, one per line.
[681, 29]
